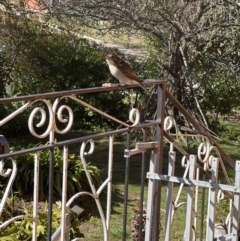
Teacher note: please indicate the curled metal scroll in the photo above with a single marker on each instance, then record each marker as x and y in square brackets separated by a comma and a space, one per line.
[5, 173]
[53, 112]
[60, 116]
[168, 123]
[94, 193]
[204, 151]
[208, 164]
[83, 153]
[134, 116]
[185, 162]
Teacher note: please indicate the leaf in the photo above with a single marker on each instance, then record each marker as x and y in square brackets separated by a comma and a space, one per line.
[40, 230]
[8, 238]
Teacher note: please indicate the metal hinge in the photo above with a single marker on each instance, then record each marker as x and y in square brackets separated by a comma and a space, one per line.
[141, 147]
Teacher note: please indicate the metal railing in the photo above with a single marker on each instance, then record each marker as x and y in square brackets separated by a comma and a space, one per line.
[200, 172]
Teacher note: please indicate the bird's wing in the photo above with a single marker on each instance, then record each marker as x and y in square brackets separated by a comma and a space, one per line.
[127, 71]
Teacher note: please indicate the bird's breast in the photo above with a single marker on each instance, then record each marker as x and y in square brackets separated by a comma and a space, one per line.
[120, 76]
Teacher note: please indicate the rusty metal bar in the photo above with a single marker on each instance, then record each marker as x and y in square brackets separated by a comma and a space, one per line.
[75, 92]
[99, 111]
[80, 139]
[156, 166]
[198, 127]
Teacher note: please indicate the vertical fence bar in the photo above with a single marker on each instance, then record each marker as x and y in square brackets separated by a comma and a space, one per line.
[126, 190]
[171, 169]
[64, 193]
[150, 197]
[109, 187]
[196, 205]
[159, 162]
[143, 175]
[212, 200]
[236, 203]
[50, 192]
[156, 165]
[35, 195]
[190, 197]
[202, 210]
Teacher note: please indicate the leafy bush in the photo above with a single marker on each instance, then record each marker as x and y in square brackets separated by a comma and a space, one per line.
[77, 180]
[49, 61]
[22, 230]
[228, 132]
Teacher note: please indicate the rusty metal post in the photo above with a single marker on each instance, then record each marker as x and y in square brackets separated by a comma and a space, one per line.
[156, 165]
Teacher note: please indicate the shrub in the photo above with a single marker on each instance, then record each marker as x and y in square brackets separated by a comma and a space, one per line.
[22, 230]
[77, 180]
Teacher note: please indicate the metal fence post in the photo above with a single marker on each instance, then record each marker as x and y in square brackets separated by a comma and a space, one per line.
[236, 203]
[156, 164]
[190, 197]
[171, 168]
[212, 200]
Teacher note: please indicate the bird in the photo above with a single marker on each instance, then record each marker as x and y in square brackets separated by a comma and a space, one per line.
[122, 71]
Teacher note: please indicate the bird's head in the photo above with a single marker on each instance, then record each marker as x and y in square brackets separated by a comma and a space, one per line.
[112, 58]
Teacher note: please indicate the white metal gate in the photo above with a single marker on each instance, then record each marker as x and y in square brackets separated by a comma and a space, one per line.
[200, 172]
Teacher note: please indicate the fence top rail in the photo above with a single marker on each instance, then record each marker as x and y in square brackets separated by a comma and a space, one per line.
[77, 92]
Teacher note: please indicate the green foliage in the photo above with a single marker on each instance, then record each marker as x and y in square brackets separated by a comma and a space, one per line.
[76, 182]
[218, 90]
[229, 132]
[22, 230]
[44, 60]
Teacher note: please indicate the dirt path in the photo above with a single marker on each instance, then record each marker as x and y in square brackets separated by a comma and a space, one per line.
[139, 53]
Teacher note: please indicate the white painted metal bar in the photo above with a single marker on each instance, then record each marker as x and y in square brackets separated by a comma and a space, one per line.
[212, 200]
[180, 191]
[149, 198]
[35, 195]
[140, 148]
[12, 220]
[128, 153]
[169, 207]
[201, 232]
[236, 203]
[109, 188]
[226, 237]
[64, 193]
[15, 113]
[147, 145]
[6, 173]
[126, 182]
[94, 194]
[195, 218]
[199, 183]
[190, 197]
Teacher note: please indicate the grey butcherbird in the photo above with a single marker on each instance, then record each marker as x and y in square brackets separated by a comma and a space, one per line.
[122, 71]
